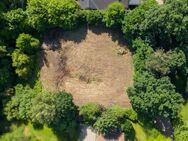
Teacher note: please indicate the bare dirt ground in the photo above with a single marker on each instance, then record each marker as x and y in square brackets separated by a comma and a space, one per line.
[92, 64]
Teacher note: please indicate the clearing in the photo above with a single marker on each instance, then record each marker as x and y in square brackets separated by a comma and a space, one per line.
[93, 64]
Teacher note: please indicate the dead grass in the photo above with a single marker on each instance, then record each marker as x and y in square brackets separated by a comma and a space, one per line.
[93, 64]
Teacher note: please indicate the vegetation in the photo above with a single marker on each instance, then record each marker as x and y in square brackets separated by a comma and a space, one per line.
[114, 14]
[52, 13]
[90, 113]
[157, 36]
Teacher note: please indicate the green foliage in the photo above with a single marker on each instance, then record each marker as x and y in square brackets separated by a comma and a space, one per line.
[90, 113]
[43, 14]
[164, 63]
[13, 4]
[181, 133]
[114, 15]
[154, 97]
[24, 57]
[134, 18]
[143, 51]
[15, 20]
[93, 17]
[55, 110]
[22, 63]
[5, 68]
[27, 44]
[111, 119]
[166, 26]
[19, 106]
[18, 134]
[128, 129]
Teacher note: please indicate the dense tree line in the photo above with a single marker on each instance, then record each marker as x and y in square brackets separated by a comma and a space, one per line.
[157, 36]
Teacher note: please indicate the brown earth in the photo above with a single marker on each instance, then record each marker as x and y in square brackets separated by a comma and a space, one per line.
[93, 64]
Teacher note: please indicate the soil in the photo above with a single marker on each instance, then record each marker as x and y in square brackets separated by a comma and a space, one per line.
[92, 63]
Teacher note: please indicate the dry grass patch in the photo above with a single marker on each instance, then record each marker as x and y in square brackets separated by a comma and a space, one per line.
[92, 64]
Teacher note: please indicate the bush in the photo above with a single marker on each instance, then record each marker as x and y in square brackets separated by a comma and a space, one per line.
[90, 113]
[27, 44]
[16, 20]
[44, 14]
[22, 63]
[23, 58]
[111, 120]
[114, 15]
[93, 17]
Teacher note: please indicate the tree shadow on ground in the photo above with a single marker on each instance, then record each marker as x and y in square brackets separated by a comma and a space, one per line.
[115, 34]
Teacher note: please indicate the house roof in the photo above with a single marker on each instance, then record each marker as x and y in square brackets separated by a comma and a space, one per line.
[98, 4]
[134, 2]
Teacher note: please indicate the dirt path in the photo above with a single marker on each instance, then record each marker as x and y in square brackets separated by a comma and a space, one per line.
[90, 67]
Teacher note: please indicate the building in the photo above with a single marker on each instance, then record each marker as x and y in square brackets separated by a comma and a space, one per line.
[102, 4]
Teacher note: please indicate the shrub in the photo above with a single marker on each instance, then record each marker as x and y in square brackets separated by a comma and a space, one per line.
[111, 120]
[90, 113]
[43, 14]
[114, 15]
[23, 58]
[16, 20]
[22, 63]
[94, 17]
[27, 44]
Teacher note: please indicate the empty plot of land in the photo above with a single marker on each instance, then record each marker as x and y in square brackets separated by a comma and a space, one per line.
[92, 64]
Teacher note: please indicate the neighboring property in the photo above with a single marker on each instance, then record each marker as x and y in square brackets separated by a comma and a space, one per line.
[102, 4]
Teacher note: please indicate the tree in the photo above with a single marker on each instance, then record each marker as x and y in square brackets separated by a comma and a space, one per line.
[43, 14]
[20, 104]
[5, 68]
[15, 21]
[93, 17]
[114, 15]
[24, 56]
[154, 97]
[55, 110]
[113, 119]
[90, 113]
[27, 44]
[22, 63]
[166, 26]
[162, 63]
[142, 52]
[134, 18]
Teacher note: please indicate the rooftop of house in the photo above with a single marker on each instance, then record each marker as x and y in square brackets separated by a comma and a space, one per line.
[102, 4]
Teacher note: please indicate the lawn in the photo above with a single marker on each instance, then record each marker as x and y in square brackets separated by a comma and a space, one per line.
[29, 133]
[148, 134]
